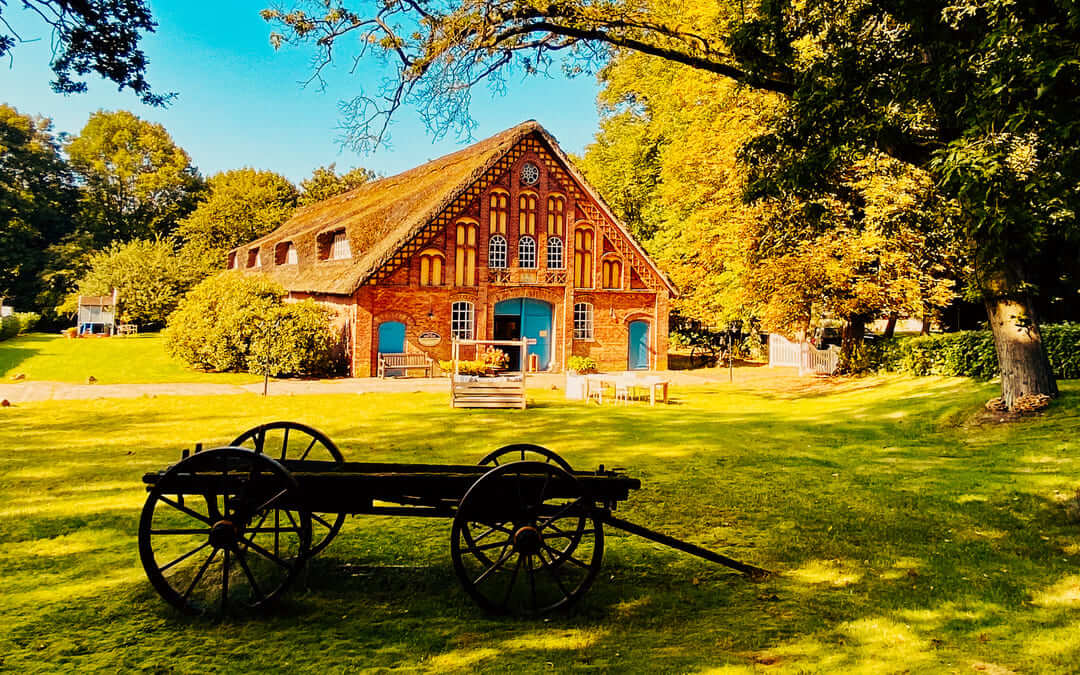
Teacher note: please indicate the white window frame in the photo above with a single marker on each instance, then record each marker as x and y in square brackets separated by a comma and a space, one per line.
[527, 253]
[291, 257]
[462, 318]
[497, 252]
[555, 252]
[339, 247]
[583, 321]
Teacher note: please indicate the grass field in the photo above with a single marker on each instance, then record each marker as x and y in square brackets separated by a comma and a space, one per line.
[133, 359]
[906, 536]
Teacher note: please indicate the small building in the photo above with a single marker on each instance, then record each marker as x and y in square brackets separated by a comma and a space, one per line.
[97, 314]
[503, 240]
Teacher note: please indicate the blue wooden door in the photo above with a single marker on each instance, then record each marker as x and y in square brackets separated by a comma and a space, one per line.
[639, 345]
[392, 341]
[536, 325]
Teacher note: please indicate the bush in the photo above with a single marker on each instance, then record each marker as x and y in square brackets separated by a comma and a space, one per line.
[581, 364]
[478, 367]
[9, 327]
[235, 323]
[27, 321]
[971, 353]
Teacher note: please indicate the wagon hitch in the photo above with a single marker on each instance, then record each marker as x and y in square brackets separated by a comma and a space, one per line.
[755, 573]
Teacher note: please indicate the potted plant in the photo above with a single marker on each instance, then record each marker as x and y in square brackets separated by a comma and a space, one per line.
[494, 358]
[577, 367]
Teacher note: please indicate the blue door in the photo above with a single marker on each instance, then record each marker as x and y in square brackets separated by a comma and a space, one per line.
[536, 325]
[392, 341]
[639, 345]
[525, 317]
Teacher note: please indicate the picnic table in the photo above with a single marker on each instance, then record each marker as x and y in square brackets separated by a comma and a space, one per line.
[597, 382]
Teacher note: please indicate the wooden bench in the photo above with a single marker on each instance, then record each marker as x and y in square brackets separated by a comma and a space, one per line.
[405, 363]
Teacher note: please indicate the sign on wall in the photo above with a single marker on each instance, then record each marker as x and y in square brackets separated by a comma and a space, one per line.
[429, 339]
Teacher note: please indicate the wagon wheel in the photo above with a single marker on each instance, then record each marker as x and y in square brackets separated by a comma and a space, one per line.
[526, 512]
[520, 452]
[292, 440]
[221, 529]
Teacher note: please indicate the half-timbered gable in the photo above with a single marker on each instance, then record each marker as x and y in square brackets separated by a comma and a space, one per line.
[503, 239]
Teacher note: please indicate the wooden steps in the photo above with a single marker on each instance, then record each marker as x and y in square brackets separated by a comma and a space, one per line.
[489, 394]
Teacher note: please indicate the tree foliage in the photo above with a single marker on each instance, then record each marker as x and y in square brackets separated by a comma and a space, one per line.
[238, 206]
[37, 195]
[137, 182]
[149, 276]
[92, 36]
[325, 183]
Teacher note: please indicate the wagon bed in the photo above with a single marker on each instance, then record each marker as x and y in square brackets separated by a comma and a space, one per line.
[234, 526]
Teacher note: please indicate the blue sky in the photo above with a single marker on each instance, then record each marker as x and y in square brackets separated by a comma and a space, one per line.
[241, 103]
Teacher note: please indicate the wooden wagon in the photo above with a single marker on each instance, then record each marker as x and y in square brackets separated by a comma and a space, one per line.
[233, 526]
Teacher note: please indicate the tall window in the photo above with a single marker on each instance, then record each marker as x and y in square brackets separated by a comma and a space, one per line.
[583, 323]
[527, 253]
[339, 247]
[583, 258]
[527, 213]
[556, 214]
[497, 252]
[234, 261]
[461, 320]
[465, 268]
[431, 266]
[611, 273]
[499, 211]
[554, 257]
[253, 258]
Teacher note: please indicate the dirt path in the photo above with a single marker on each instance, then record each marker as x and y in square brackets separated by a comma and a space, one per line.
[23, 392]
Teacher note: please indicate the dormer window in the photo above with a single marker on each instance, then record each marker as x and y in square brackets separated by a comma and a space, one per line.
[234, 264]
[334, 245]
[253, 258]
[285, 254]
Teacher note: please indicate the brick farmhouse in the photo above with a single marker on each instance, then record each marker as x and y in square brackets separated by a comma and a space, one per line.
[501, 240]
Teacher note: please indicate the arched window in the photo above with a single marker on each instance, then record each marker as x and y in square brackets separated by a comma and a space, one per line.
[583, 321]
[556, 214]
[554, 253]
[253, 258]
[583, 258]
[497, 252]
[611, 273]
[285, 254]
[527, 213]
[234, 261]
[499, 211]
[461, 320]
[431, 268]
[527, 253]
[465, 267]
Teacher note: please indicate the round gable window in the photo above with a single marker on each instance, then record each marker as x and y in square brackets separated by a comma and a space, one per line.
[530, 174]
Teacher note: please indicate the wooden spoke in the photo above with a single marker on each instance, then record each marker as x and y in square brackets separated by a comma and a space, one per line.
[225, 582]
[309, 447]
[240, 558]
[181, 531]
[184, 557]
[494, 566]
[202, 571]
[180, 507]
[264, 553]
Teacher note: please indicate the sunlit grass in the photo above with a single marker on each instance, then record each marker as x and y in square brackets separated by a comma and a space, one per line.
[906, 536]
[130, 359]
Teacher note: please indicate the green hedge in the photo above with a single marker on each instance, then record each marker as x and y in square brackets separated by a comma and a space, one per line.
[235, 323]
[19, 322]
[971, 353]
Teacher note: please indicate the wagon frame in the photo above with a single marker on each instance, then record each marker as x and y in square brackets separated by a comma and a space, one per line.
[526, 535]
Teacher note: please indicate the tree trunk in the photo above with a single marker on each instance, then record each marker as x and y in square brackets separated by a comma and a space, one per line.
[1022, 359]
[890, 327]
[925, 325]
[851, 342]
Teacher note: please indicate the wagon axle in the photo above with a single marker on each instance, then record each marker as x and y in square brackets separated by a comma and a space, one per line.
[233, 526]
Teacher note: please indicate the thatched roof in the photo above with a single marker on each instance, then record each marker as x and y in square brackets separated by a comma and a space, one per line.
[379, 217]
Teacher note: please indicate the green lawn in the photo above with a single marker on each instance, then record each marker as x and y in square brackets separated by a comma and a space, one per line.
[119, 360]
[906, 537]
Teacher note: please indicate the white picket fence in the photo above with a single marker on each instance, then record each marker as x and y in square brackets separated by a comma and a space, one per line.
[804, 356]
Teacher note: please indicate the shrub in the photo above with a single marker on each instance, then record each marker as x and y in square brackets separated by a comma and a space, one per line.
[235, 323]
[971, 353]
[581, 364]
[478, 367]
[9, 327]
[27, 320]
[494, 357]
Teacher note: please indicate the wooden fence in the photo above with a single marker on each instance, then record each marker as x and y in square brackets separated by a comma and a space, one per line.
[804, 356]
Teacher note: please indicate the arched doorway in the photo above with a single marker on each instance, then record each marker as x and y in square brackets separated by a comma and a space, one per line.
[392, 341]
[530, 318]
[639, 345]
